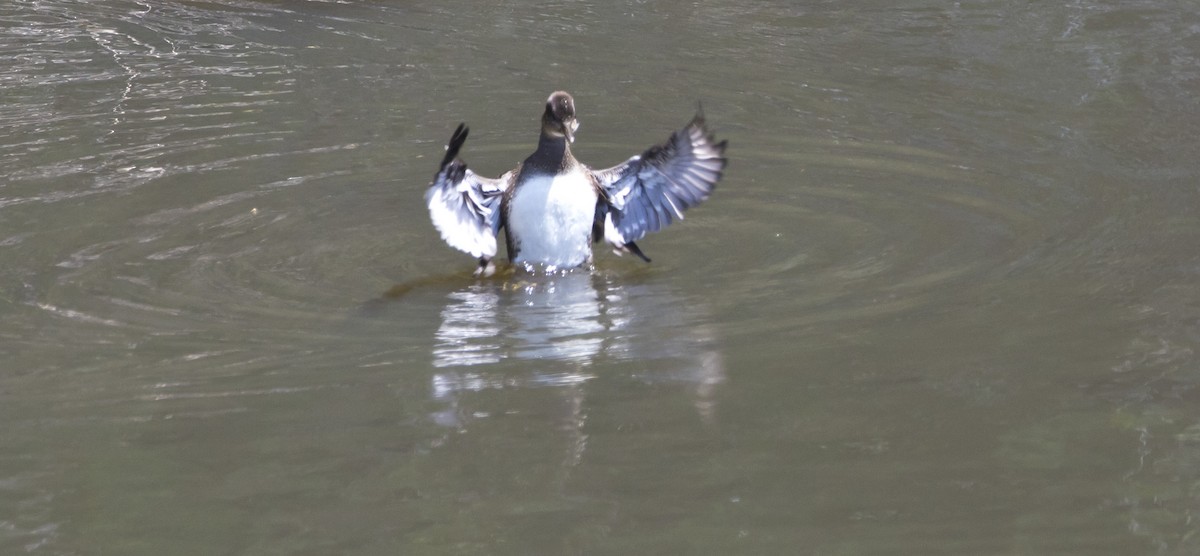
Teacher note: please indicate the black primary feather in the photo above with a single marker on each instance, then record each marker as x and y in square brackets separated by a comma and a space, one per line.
[456, 142]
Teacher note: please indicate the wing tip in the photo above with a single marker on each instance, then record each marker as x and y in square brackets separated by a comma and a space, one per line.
[700, 124]
[633, 248]
[456, 142]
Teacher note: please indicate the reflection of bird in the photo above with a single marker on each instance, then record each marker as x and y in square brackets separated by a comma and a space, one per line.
[556, 332]
[554, 207]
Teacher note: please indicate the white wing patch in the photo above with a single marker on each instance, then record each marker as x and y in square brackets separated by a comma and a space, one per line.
[464, 205]
[465, 213]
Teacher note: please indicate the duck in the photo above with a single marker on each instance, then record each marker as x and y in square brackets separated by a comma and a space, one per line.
[553, 208]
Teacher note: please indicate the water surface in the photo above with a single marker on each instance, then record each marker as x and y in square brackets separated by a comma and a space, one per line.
[945, 300]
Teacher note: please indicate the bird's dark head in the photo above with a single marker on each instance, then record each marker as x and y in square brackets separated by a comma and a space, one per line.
[559, 118]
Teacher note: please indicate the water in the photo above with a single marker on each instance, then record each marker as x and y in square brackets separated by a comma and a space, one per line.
[944, 302]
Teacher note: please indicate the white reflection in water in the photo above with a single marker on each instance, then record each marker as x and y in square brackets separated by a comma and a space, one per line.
[559, 320]
[469, 332]
[562, 325]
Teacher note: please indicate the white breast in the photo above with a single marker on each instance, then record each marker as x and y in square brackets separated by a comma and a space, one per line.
[551, 217]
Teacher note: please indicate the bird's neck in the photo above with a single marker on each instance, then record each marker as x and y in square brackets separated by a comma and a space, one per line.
[553, 152]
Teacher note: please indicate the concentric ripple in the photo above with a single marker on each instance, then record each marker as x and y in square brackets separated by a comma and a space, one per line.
[869, 230]
[168, 216]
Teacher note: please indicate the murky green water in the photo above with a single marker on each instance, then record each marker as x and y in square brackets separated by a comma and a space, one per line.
[946, 301]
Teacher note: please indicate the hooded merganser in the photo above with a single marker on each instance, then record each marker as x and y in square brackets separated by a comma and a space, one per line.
[554, 207]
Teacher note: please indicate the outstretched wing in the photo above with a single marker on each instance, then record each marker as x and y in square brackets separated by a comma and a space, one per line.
[649, 191]
[463, 205]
